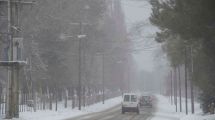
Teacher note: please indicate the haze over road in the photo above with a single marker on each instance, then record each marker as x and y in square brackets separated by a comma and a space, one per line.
[146, 113]
[115, 114]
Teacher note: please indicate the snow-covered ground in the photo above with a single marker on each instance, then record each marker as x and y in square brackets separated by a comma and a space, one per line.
[166, 111]
[198, 117]
[69, 113]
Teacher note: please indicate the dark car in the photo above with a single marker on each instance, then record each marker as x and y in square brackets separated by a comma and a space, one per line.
[30, 103]
[146, 101]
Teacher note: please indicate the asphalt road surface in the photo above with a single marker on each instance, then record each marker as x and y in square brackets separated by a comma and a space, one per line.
[115, 114]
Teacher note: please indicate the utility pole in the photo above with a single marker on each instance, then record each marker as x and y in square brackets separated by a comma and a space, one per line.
[171, 86]
[13, 65]
[129, 75]
[80, 59]
[13, 62]
[191, 80]
[16, 42]
[185, 69]
[103, 80]
[9, 87]
[79, 68]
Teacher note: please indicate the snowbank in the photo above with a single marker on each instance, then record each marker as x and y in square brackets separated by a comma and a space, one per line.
[198, 117]
[69, 113]
[164, 110]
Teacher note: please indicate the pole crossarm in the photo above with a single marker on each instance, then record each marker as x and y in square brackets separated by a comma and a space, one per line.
[13, 63]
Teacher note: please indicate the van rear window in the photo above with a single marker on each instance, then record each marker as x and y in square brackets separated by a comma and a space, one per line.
[133, 98]
[126, 98]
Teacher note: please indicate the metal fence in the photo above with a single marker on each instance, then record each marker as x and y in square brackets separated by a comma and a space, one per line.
[46, 102]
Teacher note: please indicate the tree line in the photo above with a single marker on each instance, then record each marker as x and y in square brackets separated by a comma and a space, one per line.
[188, 26]
[51, 31]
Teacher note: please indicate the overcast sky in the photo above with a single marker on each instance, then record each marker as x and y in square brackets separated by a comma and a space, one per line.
[136, 12]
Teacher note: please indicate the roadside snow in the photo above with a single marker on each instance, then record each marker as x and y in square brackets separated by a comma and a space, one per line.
[166, 111]
[198, 117]
[69, 113]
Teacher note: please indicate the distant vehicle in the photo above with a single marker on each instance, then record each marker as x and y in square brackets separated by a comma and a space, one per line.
[30, 103]
[146, 100]
[130, 103]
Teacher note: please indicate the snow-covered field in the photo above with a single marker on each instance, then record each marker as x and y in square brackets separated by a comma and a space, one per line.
[69, 113]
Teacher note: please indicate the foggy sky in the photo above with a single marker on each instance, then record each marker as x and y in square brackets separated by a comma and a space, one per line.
[136, 12]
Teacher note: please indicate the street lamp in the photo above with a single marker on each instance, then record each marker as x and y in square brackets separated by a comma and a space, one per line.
[64, 37]
[121, 86]
[80, 37]
[127, 60]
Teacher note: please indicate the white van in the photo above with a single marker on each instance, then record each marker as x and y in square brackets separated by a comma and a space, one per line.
[130, 103]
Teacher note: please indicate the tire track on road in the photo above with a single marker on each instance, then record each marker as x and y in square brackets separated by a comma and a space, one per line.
[132, 118]
[97, 114]
[114, 113]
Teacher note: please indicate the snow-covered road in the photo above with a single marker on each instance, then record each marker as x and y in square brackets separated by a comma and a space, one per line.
[161, 110]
